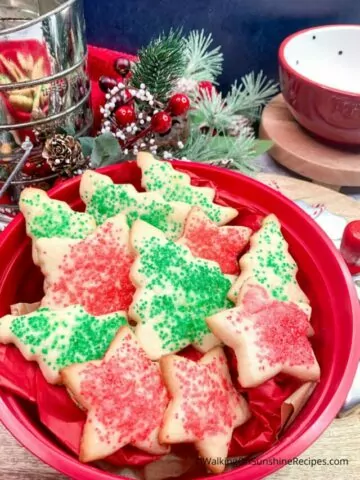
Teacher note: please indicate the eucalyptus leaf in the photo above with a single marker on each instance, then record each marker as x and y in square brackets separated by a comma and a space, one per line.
[106, 151]
[262, 146]
[66, 130]
[87, 145]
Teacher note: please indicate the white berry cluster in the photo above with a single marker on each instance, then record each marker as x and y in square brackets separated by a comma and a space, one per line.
[128, 134]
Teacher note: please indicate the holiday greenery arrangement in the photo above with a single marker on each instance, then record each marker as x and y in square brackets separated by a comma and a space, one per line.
[166, 102]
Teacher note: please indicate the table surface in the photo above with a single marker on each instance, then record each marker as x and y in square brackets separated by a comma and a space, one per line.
[340, 441]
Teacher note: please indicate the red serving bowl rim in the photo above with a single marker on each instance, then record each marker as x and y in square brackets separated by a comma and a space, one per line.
[284, 64]
[288, 448]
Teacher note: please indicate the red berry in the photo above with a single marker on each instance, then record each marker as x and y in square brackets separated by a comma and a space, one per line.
[206, 88]
[161, 122]
[107, 83]
[29, 168]
[37, 169]
[43, 170]
[125, 115]
[179, 104]
[122, 66]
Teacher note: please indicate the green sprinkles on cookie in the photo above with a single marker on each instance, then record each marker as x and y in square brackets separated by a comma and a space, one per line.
[58, 338]
[175, 186]
[47, 218]
[108, 200]
[269, 264]
[178, 292]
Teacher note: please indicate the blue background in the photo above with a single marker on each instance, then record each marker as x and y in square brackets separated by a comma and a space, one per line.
[250, 31]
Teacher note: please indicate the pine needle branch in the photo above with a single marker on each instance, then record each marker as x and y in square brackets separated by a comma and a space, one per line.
[251, 95]
[161, 64]
[202, 63]
[233, 153]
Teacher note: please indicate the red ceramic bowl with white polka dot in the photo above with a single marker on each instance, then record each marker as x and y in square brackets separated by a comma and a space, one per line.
[320, 81]
[323, 276]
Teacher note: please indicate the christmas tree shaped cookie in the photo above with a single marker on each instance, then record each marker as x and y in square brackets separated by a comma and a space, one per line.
[104, 199]
[204, 408]
[175, 293]
[125, 397]
[269, 264]
[207, 240]
[160, 176]
[268, 337]
[48, 218]
[56, 339]
[93, 272]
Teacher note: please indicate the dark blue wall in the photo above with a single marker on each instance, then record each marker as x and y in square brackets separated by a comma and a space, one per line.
[249, 31]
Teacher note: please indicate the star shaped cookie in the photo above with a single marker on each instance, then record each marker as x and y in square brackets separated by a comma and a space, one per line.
[175, 293]
[104, 199]
[56, 339]
[160, 176]
[93, 272]
[125, 397]
[270, 265]
[207, 240]
[268, 337]
[204, 408]
[47, 218]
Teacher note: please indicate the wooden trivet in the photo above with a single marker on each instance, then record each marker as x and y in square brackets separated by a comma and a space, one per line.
[299, 151]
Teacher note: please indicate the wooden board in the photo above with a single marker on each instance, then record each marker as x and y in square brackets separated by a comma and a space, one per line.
[340, 441]
[297, 150]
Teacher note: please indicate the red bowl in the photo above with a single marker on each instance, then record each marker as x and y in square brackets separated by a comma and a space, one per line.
[320, 81]
[324, 277]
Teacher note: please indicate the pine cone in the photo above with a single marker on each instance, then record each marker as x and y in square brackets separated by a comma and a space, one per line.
[64, 155]
[240, 125]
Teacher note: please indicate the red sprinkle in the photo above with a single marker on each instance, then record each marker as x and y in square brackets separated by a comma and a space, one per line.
[126, 394]
[95, 274]
[282, 329]
[220, 244]
[208, 397]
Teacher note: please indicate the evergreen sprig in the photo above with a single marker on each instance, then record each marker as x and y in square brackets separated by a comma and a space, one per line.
[161, 64]
[251, 95]
[247, 99]
[202, 63]
[235, 153]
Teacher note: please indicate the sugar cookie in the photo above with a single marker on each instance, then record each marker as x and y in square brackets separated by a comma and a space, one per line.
[104, 199]
[268, 337]
[204, 408]
[47, 218]
[56, 339]
[160, 176]
[125, 397]
[270, 265]
[222, 245]
[93, 272]
[175, 293]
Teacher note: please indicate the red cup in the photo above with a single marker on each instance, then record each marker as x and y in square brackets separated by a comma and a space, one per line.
[319, 83]
[323, 276]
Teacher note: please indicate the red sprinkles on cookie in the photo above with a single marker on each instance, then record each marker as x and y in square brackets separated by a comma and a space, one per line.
[125, 397]
[220, 244]
[268, 337]
[205, 407]
[93, 272]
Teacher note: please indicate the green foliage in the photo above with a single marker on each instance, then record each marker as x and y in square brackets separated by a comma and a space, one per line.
[247, 99]
[160, 64]
[201, 62]
[236, 153]
[251, 95]
[106, 151]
